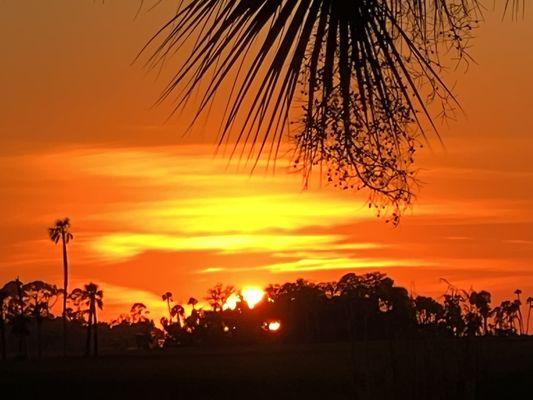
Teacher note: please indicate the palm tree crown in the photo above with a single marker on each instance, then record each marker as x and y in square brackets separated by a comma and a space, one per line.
[93, 294]
[364, 72]
[60, 229]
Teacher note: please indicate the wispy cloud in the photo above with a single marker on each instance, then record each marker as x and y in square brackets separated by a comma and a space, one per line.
[127, 245]
[325, 264]
[183, 214]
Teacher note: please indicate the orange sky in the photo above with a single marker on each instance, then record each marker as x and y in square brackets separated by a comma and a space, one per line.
[153, 211]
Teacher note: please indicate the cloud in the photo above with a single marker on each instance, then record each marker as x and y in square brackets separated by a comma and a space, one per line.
[125, 245]
[128, 245]
[325, 264]
[186, 217]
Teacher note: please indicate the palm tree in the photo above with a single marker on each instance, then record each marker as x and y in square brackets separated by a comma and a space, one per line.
[364, 73]
[529, 301]
[179, 312]
[93, 298]
[168, 298]
[192, 302]
[191, 322]
[481, 301]
[518, 292]
[61, 231]
[505, 316]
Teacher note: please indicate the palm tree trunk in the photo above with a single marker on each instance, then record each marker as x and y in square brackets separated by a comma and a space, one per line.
[65, 293]
[520, 322]
[88, 338]
[528, 318]
[95, 333]
[89, 330]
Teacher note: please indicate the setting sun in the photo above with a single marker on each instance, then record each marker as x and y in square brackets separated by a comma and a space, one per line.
[253, 296]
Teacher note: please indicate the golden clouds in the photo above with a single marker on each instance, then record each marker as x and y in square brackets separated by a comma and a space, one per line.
[188, 203]
[175, 218]
[127, 245]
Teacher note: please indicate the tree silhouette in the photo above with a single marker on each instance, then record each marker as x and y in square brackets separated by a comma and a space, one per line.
[17, 311]
[179, 312]
[8, 292]
[518, 301]
[40, 297]
[192, 302]
[505, 317]
[453, 313]
[146, 335]
[76, 306]
[298, 305]
[365, 74]
[217, 296]
[60, 231]
[92, 297]
[529, 302]
[139, 313]
[481, 301]
[357, 307]
[167, 297]
[175, 332]
[429, 312]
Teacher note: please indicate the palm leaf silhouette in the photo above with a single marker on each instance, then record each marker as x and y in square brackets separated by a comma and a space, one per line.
[364, 73]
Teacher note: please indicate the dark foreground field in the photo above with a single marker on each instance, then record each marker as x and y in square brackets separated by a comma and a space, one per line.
[482, 369]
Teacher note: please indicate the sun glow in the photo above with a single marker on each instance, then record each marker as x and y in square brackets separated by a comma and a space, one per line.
[274, 326]
[253, 296]
[231, 302]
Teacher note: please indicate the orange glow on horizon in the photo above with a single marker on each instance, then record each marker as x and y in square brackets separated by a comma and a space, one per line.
[251, 295]
[231, 302]
[274, 326]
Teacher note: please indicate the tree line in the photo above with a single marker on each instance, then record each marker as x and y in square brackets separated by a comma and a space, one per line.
[357, 307]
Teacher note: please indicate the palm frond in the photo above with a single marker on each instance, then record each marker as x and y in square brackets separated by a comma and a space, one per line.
[60, 229]
[366, 74]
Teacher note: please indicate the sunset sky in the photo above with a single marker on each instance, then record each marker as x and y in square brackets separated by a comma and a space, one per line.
[154, 211]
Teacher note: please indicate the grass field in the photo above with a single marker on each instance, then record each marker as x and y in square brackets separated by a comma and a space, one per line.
[493, 368]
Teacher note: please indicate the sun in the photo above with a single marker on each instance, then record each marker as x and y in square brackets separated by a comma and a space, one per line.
[252, 295]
